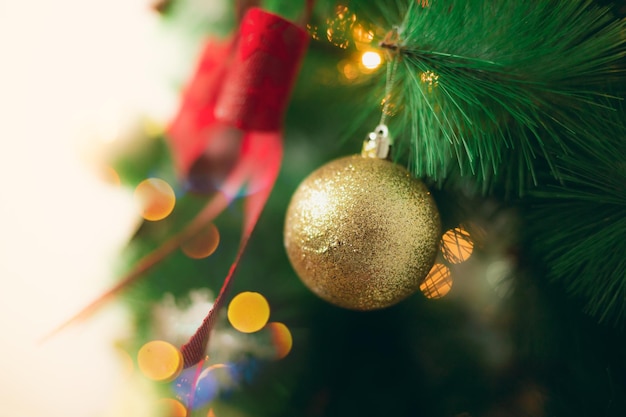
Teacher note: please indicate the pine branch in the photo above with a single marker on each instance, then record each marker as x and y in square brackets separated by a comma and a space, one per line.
[495, 90]
[525, 95]
[578, 227]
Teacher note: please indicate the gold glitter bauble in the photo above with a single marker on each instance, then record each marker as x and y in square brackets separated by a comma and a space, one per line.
[362, 233]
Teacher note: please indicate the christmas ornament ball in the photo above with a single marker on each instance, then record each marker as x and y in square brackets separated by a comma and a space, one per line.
[362, 233]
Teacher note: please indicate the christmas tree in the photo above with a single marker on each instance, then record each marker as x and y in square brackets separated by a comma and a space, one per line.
[511, 114]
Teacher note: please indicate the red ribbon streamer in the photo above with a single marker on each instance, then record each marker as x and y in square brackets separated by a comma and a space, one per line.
[260, 163]
[253, 97]
[195, 123]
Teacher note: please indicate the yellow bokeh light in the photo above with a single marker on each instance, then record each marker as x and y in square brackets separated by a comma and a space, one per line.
[457, 245]
[438, 282]
[159, 360]
[155, 198]
[362, 35]
[248, 312]
[170, 407]
[203, 243]
[371, 60]
[348, 70]
[338, 29]
[281, 339]
[211, 413]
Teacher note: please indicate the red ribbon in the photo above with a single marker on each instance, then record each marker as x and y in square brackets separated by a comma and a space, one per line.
[251, 78]
[259, 164]
[256, 90]
[192, 127]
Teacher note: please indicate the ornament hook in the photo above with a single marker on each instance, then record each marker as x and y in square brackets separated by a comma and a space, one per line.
[377, 143]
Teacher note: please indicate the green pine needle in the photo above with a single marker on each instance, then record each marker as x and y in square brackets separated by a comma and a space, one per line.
[522, 94]
[496, 90]
[577, 227]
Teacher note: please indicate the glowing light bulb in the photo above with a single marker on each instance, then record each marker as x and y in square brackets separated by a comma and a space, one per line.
[438, 282]
[457, 245]
[203, 244]
[155, 198]
[348, 69]
[371, 60]
[159, 360]
[281, 339]
[248, 312]
[362, 34]
[172, 407]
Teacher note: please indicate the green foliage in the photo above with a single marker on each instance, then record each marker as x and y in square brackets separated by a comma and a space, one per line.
[496, 90]
[149, 157]
[578, 226]
[523, 97]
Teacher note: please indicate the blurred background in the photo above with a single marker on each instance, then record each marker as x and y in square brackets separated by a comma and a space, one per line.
[87, 89]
